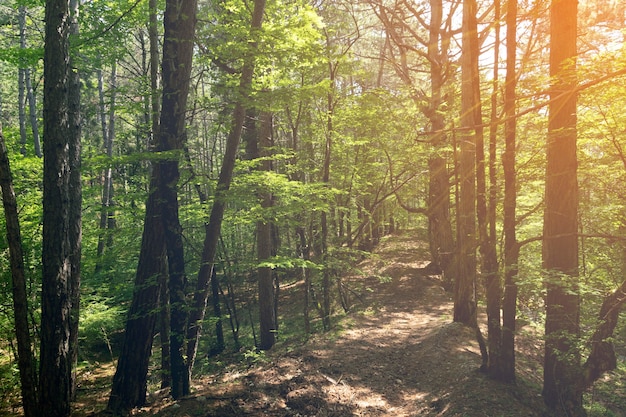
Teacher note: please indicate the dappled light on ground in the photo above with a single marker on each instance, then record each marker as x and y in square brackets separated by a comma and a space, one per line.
[396, 353]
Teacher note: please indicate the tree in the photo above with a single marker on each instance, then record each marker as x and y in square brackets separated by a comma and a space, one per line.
[214, 226]
[131, 375]
[562, 372]
[26, 92]
[61, 213]
[179, 24]
[162, 231]
[464, 302]
[511, 246]
[25, 357]
[267, 313]
[440, 229]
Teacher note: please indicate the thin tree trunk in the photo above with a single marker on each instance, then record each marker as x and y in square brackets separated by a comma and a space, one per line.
[487, 221]
[75, 232]
[267, 312]
[26, 93]
[32, 112]
[562, 390]
[197, 311]
[164, 329]
[330, 98]
[511, 246]
[21, 82]
[25, 357]
[107, 218]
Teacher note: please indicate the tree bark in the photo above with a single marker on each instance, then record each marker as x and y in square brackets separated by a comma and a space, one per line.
[511, 247]
[26, 93]
[439, 225]
[60, 239]
[487, 218]
[107, 215]
[75, 233]
[562, 371]
[464, 301]
[179, 24]
[267, 313]
[25, 357]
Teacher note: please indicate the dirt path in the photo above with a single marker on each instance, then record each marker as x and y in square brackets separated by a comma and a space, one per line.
[397, 355]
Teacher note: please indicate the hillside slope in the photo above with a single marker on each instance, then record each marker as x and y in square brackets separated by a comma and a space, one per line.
[395, 354]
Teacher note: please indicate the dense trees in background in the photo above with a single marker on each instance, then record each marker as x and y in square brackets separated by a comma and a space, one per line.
[258, 144]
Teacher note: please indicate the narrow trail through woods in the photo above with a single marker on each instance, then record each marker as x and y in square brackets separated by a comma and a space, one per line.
[397, 353]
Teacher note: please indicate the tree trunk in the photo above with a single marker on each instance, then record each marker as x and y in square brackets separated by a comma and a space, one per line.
[486, 215]
[562, 389]
[75, 233]
[130, 380]
[107, 215]
[439, 225]
[217, 313]
[464, 301]
[59, 229]
[267, 313]
[26, 93]
[21, 81]
[25, 357]
[511, 247]
[213, 229]
[179, 23]
[164, 329]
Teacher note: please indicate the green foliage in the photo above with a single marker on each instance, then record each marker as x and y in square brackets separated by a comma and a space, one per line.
[100, 323]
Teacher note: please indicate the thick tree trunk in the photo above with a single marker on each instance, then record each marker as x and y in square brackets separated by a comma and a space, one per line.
[25, 357]
[464, 301]
[61, 232]
[562, 390]
[130, 380]
[179, 23]
[439, 224]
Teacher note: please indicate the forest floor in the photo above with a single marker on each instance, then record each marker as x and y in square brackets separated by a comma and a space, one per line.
[396, 353]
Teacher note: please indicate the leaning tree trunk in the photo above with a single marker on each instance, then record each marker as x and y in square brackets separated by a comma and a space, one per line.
[213, 229]
[131, 375]
[25, 357]
[562, 390]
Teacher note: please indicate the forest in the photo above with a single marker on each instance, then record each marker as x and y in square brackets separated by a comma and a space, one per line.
[188, 185]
